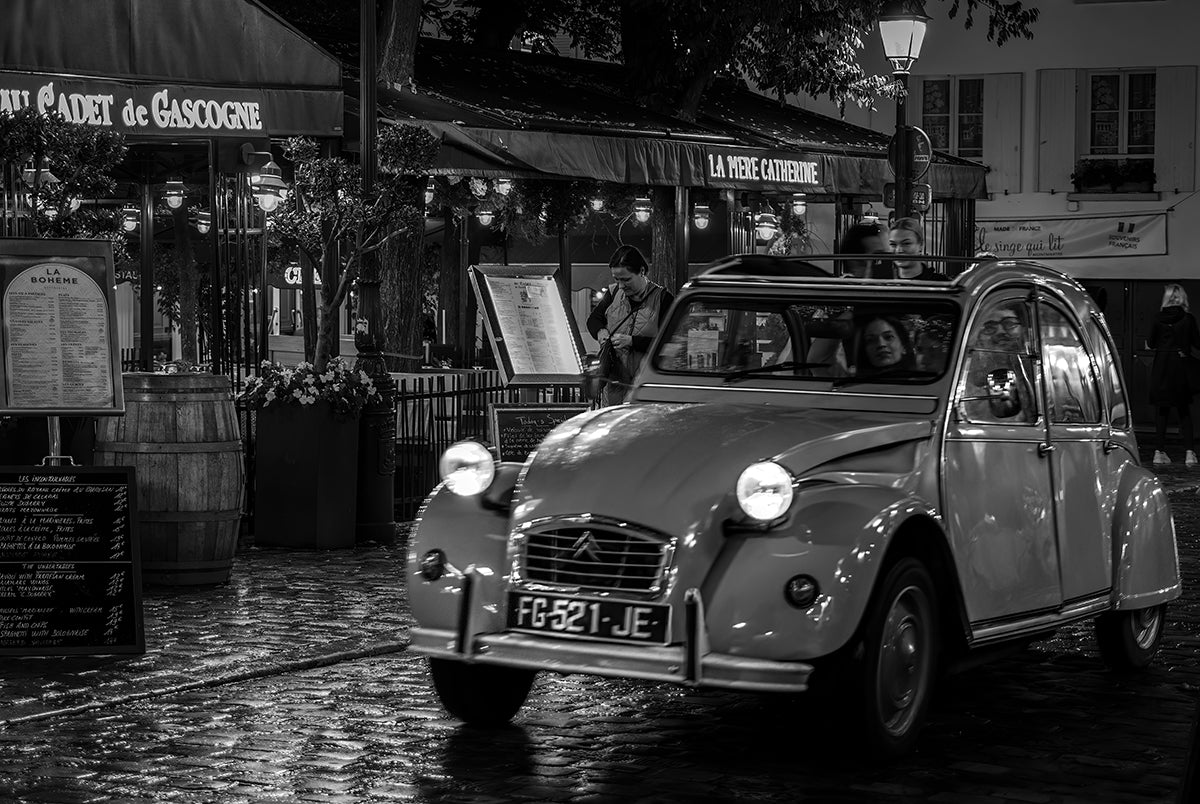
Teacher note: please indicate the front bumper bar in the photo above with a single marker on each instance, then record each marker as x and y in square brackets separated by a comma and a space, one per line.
[690, 663]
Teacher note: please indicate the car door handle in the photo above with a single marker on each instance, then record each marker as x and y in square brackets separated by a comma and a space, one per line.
[1110, 446]
[1044, 450]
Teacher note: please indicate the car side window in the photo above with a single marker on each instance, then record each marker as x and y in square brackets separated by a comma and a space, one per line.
[1112, 390]
[997, 382]
[1071, 385]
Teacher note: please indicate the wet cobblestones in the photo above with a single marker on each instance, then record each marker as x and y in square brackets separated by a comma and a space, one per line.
[292, 684]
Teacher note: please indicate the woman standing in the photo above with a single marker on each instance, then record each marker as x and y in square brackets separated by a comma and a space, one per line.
[1174, 336]
[628, 314]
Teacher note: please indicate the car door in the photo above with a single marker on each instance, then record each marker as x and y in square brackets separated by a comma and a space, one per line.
[1079, 463]
[996, 481]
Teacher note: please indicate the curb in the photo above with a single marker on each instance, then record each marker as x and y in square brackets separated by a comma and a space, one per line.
[324, 660]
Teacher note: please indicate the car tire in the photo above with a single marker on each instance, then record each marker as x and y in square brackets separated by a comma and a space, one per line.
[900, 651]
[1128, 640]
[480, 694]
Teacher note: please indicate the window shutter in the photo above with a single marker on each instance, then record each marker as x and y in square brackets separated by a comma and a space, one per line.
[1002, 132]
[1055, 129]
[1175, 129]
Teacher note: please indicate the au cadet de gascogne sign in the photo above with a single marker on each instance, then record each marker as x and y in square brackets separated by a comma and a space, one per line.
[137, 108]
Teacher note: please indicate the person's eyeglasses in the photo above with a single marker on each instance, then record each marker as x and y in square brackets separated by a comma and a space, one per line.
[1009, 324]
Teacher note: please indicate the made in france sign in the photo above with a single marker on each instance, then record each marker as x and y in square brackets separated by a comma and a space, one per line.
[745, 167]
[1041, 238]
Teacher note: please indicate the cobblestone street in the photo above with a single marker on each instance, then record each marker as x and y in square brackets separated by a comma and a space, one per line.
[292, 683]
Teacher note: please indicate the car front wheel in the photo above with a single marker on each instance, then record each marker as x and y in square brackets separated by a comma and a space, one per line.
[1128, 640]
[899, 661]
[480, 694]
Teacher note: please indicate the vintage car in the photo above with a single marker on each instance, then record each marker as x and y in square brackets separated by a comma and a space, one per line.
[816, 482]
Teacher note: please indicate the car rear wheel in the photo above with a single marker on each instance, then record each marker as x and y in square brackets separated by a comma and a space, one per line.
[899, 661]
[1128, 640]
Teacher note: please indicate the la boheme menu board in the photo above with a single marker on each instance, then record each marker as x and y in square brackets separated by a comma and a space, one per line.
[70, 573]
[59, 328]
[532, 335]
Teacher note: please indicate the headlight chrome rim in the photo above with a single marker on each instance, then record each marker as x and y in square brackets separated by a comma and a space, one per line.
[467, 467]
[765, 491]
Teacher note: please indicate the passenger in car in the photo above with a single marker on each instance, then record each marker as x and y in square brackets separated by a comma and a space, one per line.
[1000, 342]
[884, 347]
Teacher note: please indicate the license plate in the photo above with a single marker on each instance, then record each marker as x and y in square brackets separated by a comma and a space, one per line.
[618, 620]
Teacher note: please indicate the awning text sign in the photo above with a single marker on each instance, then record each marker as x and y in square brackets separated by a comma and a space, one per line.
[744, 167]
[1113, 236]
[137, 108]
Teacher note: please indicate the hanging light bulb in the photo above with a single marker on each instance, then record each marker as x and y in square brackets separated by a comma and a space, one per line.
[203, 221]
[597, 204]
[42, 175]
[503, 186]
[130, 216]
[641, 209]
[766, 226]
[799, 204]
[270, 183]
[700, 216]
[174, 193]
[868, 216]
[485, 215]
[429, 193]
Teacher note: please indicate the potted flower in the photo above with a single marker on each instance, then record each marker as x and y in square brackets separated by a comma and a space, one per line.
[306, 452]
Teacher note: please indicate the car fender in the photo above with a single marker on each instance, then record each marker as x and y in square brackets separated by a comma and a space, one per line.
[1146, 560]
[473, 535]
[838, 534]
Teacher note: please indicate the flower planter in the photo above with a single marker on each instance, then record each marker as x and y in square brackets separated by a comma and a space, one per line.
[305, 477]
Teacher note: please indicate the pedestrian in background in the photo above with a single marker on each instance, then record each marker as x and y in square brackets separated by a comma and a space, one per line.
[906, 237]
[864, 238]
[628, 315]
[1175, 339]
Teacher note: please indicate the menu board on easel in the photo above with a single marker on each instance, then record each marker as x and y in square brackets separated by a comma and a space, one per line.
[533, 335]
[70, 570]
[59, 333]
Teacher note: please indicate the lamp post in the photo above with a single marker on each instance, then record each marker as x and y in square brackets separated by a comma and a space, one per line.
[902, 29]
[375, 517]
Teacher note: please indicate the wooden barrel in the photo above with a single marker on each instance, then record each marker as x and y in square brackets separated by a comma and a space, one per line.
[180, 433]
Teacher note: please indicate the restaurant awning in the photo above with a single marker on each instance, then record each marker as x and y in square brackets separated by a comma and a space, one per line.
[203, 68]
[516, 113]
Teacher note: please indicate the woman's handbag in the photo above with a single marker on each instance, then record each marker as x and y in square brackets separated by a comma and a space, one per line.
[612, 367]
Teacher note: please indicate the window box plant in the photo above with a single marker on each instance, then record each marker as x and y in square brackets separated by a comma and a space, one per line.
[1113, 175]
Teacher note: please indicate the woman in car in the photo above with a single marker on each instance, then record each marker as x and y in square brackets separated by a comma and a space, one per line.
[884, 347]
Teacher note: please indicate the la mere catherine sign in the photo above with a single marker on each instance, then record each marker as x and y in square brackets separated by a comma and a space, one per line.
[747, 167]
[140, 108]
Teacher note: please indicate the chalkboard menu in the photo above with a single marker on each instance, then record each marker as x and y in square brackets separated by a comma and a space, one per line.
[70, 573]
[518, 429]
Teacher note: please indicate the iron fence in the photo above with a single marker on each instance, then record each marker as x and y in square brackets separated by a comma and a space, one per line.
[432, 412]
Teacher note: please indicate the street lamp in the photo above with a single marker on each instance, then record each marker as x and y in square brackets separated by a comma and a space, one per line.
[902, 29]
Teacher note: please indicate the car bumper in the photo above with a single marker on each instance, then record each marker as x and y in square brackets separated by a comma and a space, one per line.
[690, 663]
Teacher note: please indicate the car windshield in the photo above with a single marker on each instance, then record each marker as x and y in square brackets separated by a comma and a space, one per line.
[891, 340]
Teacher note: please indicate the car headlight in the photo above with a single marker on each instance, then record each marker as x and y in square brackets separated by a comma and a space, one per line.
[467, 467]
[764, 490]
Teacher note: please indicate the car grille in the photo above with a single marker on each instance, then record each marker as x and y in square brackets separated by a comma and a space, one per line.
[595, 556]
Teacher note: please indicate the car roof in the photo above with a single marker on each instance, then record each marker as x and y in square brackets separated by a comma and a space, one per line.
[974, 276]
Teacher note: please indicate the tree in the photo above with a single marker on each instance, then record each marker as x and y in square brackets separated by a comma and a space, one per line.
[63, 163]
[334, 223]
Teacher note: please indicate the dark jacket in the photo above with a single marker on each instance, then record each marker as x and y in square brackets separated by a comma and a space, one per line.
[1174, 336]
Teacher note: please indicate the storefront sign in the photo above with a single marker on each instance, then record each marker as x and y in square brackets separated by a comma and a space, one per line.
[137, 108]
[1114, 236]
[517, 429]
[743, 167]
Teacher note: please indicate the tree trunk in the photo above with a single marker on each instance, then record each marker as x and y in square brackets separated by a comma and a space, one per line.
[450, 280]
[399, 27]
[662, 237]
[400, 290]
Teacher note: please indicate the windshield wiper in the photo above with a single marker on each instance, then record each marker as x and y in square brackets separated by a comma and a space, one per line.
[886, 376]
[772, 369]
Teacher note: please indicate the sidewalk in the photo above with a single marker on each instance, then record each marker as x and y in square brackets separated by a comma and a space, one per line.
[282, 610]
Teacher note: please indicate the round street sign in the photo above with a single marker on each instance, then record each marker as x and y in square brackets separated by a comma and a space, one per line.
[920, 153]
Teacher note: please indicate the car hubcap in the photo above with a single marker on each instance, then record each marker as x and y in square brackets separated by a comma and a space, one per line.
[1145, 624]
[902, 660]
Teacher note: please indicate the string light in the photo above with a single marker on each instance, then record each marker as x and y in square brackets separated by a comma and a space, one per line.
[597, 204]
[799, 204]
[485, 215]
[174, 193]
[700, 216]
[766, 225]
[641, 209]
[503, 186]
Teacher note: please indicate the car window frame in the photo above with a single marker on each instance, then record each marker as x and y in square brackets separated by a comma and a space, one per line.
[994, 297]
[1063, 308]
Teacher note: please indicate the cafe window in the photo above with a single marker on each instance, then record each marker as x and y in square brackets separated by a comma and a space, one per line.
[1121, 109]
[952, 115]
